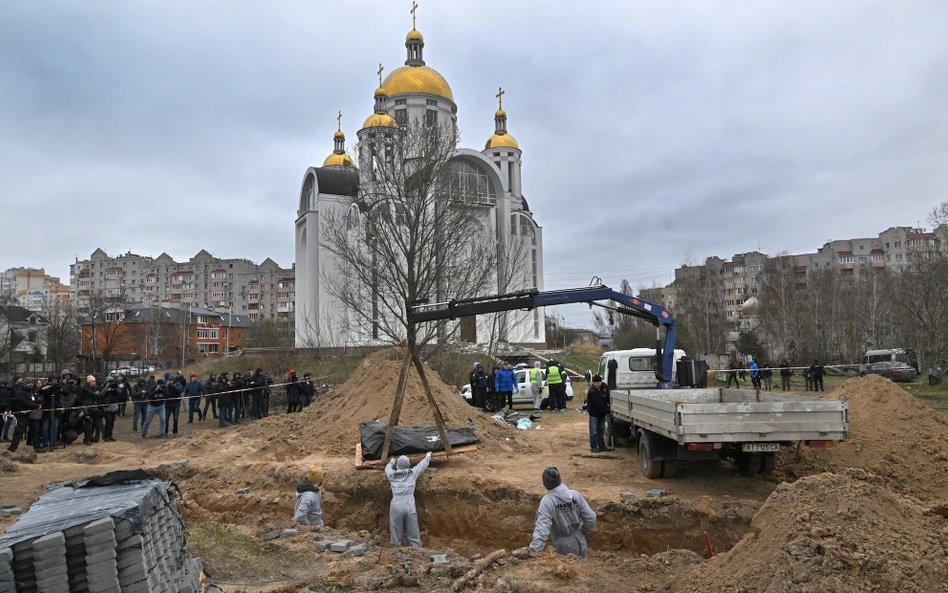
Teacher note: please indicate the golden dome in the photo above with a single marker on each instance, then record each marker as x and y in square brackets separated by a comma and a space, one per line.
[414, 35]
[380, 120]
[500, 113]
[501, 141]
[338, 160]
[339, 134]
[380, 92]
[417, 79]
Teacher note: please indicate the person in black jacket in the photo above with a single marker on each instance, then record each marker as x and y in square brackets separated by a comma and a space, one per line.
[139, 403]
[156, 407]
[309, 390]
[91, 399]
[52, 404]
[6, 410]
[28, 407]
[173, 393]
[294, 395]
[210, 397]
[597, 406]
[479, 381]
[785, 373]
[816, 375]
[111, 396]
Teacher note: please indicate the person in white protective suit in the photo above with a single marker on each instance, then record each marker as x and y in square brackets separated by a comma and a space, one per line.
[309, 500]
[565, 515]
[403, 519]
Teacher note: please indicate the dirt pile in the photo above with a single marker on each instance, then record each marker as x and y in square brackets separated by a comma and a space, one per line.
[831, 532]
[892, 435]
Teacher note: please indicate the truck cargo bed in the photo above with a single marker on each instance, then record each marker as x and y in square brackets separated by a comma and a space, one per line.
[718, 415]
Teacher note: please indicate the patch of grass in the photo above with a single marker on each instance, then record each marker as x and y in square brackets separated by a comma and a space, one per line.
[231, 551]
[935, 396]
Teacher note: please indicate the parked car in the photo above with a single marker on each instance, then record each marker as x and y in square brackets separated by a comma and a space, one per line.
[525, 395]
[895, 371]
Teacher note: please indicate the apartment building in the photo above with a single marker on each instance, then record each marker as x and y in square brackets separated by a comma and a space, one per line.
[238, 286]
[32, 288]
[739, 278]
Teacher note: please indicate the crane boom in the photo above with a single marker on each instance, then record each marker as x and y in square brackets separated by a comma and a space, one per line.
[531, 299]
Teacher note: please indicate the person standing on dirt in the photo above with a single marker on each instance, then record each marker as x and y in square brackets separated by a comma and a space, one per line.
[156, 407]
[309, 500]
[555, 376]
[732, 374]
[173, 396]
[308, 389]
[565, 515]
[816, 375]
[27, 404]
[536, 385]
[785, 375]
[294, 396]
[193, 391]
[478, 380]
[403, 518]
[491, 403]
[225, 400]
[597, 406]
[505, 383]
[755, 375]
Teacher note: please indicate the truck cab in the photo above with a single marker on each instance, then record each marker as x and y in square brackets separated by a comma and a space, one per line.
[634, 369]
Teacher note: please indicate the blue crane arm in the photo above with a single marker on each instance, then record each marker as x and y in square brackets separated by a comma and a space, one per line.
[531, 299]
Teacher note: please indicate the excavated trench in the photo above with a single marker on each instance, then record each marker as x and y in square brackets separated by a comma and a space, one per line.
[501, 517]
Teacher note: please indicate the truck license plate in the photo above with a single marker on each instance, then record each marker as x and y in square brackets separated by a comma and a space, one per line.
[760, 447]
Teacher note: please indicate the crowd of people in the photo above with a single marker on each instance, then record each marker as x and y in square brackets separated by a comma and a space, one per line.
[761, 376]
[494, 391]
[59, 410]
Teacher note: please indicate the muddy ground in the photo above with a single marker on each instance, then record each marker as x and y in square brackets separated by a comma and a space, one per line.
[865, 516]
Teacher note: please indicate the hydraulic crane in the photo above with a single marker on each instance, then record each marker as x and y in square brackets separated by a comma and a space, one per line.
[531, 299]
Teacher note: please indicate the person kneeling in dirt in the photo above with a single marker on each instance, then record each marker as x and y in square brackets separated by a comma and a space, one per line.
[565, 515]
[309, 500]
[402, 515]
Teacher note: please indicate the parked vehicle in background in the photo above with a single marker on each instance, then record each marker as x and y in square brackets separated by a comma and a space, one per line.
[896, 371]
[525, 395]
[902, 355]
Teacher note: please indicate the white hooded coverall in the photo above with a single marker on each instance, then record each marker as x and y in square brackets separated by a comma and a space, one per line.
[565, 515]
[402, 515]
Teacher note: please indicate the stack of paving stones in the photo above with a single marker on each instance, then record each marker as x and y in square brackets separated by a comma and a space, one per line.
[111, 554]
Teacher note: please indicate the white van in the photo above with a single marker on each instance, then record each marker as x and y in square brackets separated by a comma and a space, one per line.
[635, 368]
[887, 355]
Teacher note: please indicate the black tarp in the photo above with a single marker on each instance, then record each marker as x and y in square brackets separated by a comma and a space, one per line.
[411, 439]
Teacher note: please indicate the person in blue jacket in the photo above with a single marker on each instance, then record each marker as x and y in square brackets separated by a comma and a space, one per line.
[505, 384]
[754, 375]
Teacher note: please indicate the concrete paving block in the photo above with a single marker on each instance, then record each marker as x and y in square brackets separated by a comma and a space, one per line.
[6, 554]
[270, 535]
[129, 542]
[439, 558]
[50, 541]
[57, 585]
[289, 532]
[627, 495]
[50, 569]
[98, 550]
[11, 511]
[322, 545]
[340, 546]
[130, 560]
[357, 550]
[98, 526]
[656, 492]
[101, 538]
[98, 584]
[244, 490]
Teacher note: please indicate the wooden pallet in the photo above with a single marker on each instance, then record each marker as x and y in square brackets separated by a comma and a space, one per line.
[414, 457]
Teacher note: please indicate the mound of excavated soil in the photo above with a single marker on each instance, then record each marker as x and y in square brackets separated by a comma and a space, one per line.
[892, 435]
[831, 532]
[331, 424]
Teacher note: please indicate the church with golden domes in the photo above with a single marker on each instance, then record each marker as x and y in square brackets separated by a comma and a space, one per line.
[414, 92]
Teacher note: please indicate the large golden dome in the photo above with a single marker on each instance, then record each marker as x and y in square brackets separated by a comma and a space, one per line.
[417, 79]
[338, 160]
[414, 35]
[380, 120]
[501, 141]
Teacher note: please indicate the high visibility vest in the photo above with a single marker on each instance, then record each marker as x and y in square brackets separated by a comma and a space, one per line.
[553, 375]
[535, 376]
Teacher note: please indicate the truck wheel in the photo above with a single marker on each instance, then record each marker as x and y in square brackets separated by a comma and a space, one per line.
[748, 464]
[651, 468]
[768, 462]
[669, 468]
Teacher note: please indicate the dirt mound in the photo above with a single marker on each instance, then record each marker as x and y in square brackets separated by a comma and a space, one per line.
[831, 532]
[891, 434]
[331, 424]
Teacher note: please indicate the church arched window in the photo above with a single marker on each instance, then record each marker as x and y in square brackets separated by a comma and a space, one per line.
[469, 183]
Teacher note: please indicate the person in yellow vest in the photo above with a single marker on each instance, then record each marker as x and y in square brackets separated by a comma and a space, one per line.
[554, 380]
[536, 385]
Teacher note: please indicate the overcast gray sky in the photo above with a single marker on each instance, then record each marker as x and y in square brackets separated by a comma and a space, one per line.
[651, 131]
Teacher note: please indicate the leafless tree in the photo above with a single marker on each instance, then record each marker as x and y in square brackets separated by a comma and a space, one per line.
[416, 232]
[922, 298]
[701, 320]
[939, 214]
[783, 307]
[62, 333]
[626, 331]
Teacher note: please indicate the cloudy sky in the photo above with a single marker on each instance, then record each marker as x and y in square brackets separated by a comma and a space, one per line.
[652, 132]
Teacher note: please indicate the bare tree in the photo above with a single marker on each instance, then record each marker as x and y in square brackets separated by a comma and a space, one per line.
[923, 300]
[626, 331]
[782, 310]
[417, 231]
[701, 320]
[62, 333]
[939, 214]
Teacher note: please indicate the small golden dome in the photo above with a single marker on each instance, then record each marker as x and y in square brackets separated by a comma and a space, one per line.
[339, 134]
[414, 35]
[417, 79]
[501, 141]
[380, 92]
[380, 120]
[338, 160]
[500, 113]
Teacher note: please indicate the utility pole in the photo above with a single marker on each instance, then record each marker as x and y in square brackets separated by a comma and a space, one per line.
[230, 317]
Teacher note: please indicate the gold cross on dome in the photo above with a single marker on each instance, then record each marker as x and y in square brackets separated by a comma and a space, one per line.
[500, 97]
[380, 74]
[339, 121]
[414, 8]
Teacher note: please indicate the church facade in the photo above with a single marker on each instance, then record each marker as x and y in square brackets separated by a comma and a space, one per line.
[416, 92]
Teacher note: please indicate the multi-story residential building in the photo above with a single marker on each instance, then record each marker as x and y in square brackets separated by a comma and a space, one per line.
[739, 279]
[32, 288]
[239, 286]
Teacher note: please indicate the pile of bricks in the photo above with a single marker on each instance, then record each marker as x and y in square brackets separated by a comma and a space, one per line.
[140, 550]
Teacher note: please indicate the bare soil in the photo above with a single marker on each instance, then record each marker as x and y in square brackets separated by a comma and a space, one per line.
[858, 517]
